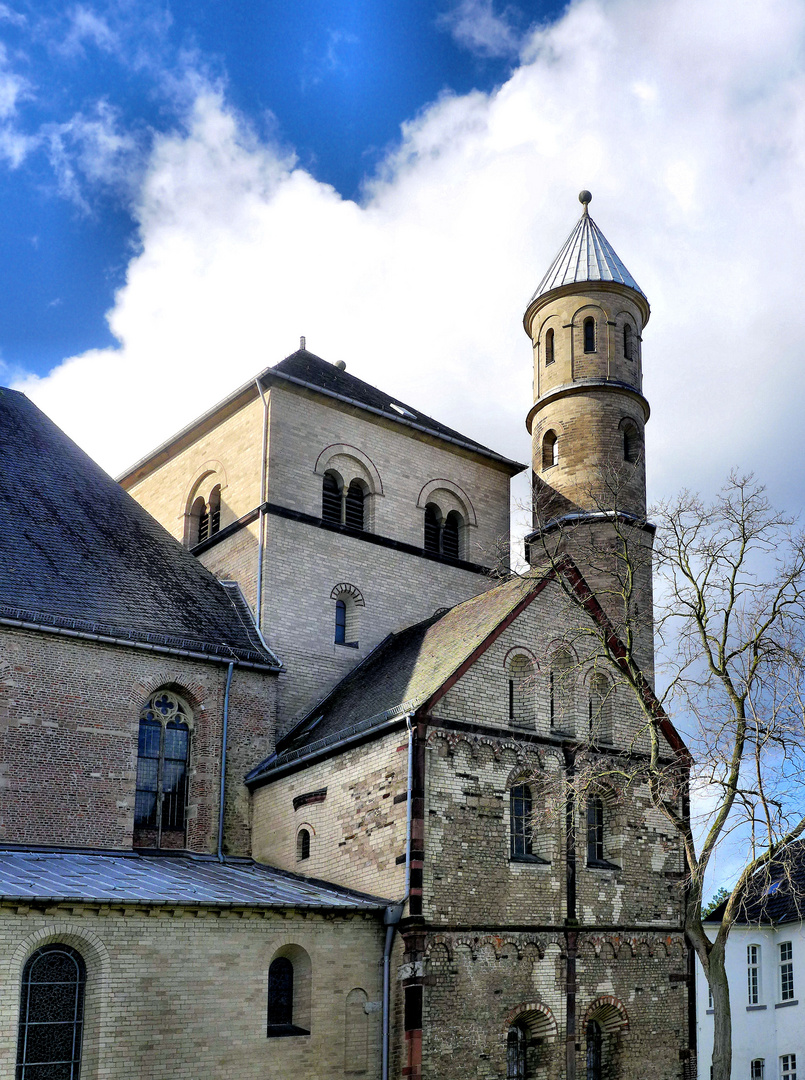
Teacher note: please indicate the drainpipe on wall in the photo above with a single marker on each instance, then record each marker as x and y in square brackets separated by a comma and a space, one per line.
[394, 912]
[229, 671]
[262, 519]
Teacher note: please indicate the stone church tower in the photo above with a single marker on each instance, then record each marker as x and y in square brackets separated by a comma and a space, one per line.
[585, 322]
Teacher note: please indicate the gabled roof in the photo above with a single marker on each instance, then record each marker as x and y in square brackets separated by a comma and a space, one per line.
[132, 878]
[586, 255]
[80, 555]
[775, 894]
[410, 670]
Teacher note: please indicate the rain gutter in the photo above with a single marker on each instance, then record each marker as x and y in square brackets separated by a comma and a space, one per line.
[261, 525]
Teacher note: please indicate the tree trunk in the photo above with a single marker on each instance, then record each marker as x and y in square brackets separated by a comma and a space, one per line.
[722, 1018]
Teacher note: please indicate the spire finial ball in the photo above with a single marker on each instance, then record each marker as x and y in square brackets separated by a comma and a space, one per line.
[585, 198]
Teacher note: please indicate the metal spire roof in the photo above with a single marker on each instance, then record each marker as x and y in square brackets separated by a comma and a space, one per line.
[586, 255]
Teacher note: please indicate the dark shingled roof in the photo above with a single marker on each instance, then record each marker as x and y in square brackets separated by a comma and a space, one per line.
[130, 878]
[404, 671]
[775, 894]
[320, 375]
[80, 554]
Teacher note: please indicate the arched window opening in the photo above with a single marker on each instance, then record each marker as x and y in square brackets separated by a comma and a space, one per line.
[550, 450]
[205, 517]
[284, 1011]
[356, 1032]
[549, 347]
[516, 1059]
[331, 498]
[595, 1043]
[757, 1069]
[631, 442]
[51, 1014]
[433, 528]
[561, 691]
[340, 622]
[215, 509]
[628, 342]
[595, 830]
[600, 709]
[346, 621]
[302, 845]
[521, 811]
[354, 505]
[521, 690]
[163, 752]
[451, 534]
[589, 335]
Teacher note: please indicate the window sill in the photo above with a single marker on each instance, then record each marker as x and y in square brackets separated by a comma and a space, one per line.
[755, 1008]
[282, 1031]
[347, 644]
[710, 1012]
[601, 864]
[536, 860]
[785, 1004]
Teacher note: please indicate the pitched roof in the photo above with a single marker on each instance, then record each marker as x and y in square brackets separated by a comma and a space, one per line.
[586, 255]
[311, 371]
[79, 554]
[403, 672]
[775, 894]
[130, 877]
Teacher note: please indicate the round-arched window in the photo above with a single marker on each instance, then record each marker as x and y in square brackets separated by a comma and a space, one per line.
[51, 1014]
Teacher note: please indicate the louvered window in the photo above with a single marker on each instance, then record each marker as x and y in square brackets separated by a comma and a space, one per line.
[353, 505]
[331, 499]
[215, 509]
[433, 528]
[589, 335]
[51, 1015]
[451, 534]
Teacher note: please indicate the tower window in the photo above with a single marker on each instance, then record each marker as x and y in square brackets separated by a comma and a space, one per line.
[450, 534]
[631, 441]
[628, 342]
[331, 498]
[589, 335]
[354, 505]
[549, 347]
[51, 1014]
[303, 845]
[442, 535]
[550, 450]
[163, 751]
[205, 517]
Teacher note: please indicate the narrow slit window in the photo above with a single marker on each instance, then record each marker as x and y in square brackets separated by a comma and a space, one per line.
[595, 829]
[303, 845]
[753, 973]
[589, 335]
[628, 342]
[549, 347]
[550, 450]
[340, 622]
[631, 442]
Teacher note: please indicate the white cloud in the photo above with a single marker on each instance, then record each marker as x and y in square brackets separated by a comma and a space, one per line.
[84, 27]
[685, 119]
[476, 27]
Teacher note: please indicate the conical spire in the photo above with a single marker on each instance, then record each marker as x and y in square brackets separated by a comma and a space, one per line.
[586, 255]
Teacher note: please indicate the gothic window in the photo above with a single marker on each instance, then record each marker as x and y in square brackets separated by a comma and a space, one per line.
[521, 809]
[631, 441]
[205, 516]
[550, 449]
[51, 1015]
[516, 1062]
[594, 1051]
[753, 973]
[628, 342]
[549, 347]
[163, 752]
[600, 707]
[302, 845]
[595, 830]
[284, 1012]
[786, 971]
[331, 498]
[589, 335]
[442, 535]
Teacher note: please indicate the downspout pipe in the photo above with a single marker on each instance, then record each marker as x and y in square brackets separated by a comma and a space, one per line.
[229, 671]
[261, 524]
[394, 912]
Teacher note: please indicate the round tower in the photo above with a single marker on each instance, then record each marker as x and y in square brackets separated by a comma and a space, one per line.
[585, 322]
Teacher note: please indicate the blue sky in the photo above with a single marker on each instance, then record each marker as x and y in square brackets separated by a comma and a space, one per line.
[332, 80]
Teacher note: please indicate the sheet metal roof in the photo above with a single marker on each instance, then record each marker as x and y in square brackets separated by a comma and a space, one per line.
[586, 255]
[129, 877]
[79, 554]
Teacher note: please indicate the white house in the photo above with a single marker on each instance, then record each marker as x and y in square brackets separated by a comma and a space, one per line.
[766, 972]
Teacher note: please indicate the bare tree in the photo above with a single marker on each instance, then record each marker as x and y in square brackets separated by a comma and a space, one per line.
[730, 621]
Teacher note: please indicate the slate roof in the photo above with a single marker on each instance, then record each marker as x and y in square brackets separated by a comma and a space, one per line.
[80, 554]
[402, 673]
[129, 877]
[775, 895]
[586, 255]
[320, 375]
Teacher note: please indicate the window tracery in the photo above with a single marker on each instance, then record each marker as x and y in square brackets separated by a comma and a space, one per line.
[163, 751]
[51, 1016]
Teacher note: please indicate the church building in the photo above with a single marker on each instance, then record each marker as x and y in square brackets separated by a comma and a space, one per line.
[287, 751]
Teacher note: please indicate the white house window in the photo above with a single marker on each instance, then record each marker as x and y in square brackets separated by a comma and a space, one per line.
[753, 973]
[786, 973]
[757, 1069]
[788, 1067]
